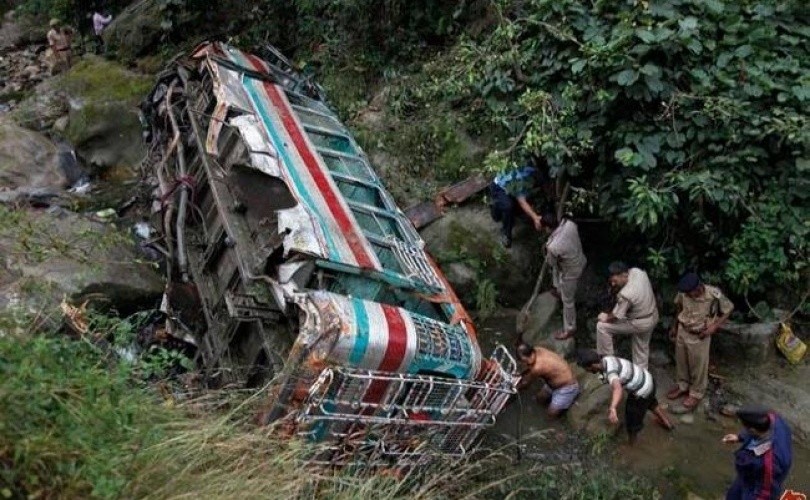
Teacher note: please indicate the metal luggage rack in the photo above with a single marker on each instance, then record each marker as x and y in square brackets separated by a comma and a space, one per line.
[381, 419]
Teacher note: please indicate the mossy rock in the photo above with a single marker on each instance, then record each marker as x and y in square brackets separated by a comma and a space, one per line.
[136, 30]
[103, 121]
[467, 236]
[64, 254]
[94, 79]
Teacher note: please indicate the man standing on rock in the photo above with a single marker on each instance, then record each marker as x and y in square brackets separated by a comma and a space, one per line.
[622, 375]
[100, 22]
[701, 310]
[635, 313]
[59, 53]
[510, 190]
[566, 260]
[561, 387]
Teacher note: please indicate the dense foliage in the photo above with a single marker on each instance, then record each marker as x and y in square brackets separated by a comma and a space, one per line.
[681, 122]
[684, 121]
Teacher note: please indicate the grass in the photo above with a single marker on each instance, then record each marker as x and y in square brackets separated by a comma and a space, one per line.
[76, 422]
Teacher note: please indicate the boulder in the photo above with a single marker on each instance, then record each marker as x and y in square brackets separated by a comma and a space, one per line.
[467, 238]
[30, 164]
[55, 254]
[136, 30]
[103, 122]
[589, 412]
[753, 343]
[782, 388]
[42, 107]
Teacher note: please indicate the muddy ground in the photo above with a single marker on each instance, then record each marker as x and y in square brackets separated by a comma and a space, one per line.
[691, 460]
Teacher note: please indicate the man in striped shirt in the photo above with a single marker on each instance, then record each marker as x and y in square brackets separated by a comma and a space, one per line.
[623, 375]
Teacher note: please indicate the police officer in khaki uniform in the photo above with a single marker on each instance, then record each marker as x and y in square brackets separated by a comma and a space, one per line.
[635, 313]
[702, 309]
[567, 260]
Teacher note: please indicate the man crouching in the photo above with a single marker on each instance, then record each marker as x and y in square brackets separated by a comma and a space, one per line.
[623, 375]
[560, 386]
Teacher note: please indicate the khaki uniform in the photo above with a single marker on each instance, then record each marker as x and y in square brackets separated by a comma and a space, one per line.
[692, 352]
[59, 52]
[636, 314]
[566, 259]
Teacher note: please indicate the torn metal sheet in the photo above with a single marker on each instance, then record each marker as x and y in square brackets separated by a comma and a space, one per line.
[287, 259]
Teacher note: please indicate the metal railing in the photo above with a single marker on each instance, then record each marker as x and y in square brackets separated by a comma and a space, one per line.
[388, 419]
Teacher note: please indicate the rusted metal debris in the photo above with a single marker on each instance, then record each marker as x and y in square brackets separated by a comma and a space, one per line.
[426, 212]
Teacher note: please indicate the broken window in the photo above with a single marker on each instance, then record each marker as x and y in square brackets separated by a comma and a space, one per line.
[347, 165]
[377, 224]
[335, 142]
[360, 193]
[315, 119]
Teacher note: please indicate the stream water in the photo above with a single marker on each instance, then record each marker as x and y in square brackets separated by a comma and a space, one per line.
[691, 460]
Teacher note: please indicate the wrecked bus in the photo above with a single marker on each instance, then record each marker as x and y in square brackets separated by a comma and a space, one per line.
[287, 260]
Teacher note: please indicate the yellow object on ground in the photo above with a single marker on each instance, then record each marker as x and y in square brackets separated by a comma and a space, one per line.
[791, 346]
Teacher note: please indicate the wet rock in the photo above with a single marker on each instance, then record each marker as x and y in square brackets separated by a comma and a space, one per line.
[687, 418]
[589, 412]
[58, 253]
[539, 316]
[29, 163]
[135, 30]
[784, 389]
[468, 237]
[60, 125]
[752, 342]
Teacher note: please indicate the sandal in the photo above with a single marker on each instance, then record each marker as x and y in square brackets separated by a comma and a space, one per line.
[563, 335]
[666, 424]
[690, 403]
[676, 392]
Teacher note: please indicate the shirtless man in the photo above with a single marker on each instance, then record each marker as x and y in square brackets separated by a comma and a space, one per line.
[560, 384]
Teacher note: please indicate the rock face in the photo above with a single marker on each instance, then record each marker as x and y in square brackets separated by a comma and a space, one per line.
[51, 255]
[465, 242]
[136, 30]
[29, 164]
[784, 389]
[753, 343]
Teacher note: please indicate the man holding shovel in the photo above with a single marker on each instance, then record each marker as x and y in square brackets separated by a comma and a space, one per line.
[565, 258]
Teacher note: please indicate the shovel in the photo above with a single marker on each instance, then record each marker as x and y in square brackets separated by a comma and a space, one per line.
[523, 316]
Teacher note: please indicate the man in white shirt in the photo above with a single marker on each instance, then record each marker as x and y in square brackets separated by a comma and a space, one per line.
[566, 260]
[100, 22]
[635, 313]
[622, 375]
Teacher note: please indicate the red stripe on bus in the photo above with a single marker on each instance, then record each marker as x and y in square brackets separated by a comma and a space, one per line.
[343, 219]
[394, 354]
[397, 339]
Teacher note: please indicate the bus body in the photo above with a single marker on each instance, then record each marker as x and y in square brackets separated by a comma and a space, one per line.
[288, 260]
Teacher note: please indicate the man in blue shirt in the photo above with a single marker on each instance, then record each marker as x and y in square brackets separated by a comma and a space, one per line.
[764, 457]
[508, 191]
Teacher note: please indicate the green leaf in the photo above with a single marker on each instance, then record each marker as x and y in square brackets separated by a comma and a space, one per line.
[646, 36]
[578, 66]
[714, 6]
[626, 78]
[688, 23]
[650, 70]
